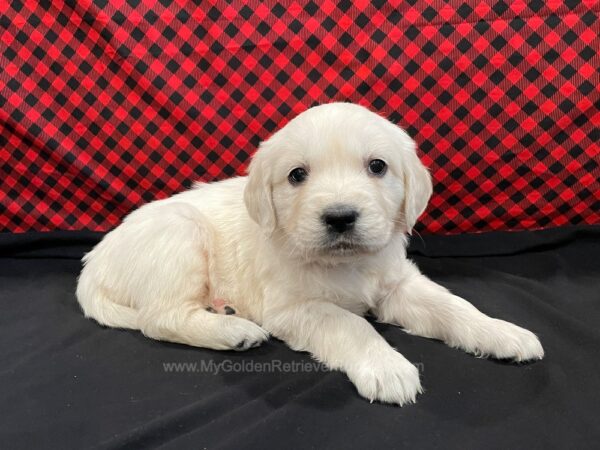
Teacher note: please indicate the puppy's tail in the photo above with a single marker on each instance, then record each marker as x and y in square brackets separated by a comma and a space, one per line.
[99, 307]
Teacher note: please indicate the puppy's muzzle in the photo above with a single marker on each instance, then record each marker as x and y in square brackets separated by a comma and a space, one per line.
[340, 219]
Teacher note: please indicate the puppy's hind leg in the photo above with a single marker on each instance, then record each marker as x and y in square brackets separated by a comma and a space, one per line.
[192, 325]
[176, 286]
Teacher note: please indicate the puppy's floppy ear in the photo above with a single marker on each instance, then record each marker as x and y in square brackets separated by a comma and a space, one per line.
[417, 185]
[258, 195]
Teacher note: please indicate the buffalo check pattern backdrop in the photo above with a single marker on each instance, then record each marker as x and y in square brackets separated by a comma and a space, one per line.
[106, 105]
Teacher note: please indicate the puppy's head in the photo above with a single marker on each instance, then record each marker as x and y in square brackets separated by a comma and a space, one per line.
[336, 181]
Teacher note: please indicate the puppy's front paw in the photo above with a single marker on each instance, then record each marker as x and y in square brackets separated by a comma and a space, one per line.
[504, 340]
[388, 378]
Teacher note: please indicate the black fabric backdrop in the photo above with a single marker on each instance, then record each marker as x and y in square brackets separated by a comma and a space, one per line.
[67, 382]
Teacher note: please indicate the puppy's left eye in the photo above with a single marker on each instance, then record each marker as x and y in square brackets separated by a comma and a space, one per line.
[377, 167]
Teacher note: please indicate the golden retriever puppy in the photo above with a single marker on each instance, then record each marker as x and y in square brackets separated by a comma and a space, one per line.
[300, 249]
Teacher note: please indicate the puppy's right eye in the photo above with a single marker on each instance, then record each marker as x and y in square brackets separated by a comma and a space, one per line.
[297, 176]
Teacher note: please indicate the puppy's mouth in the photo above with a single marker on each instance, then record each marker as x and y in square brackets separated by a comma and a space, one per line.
[344, 247]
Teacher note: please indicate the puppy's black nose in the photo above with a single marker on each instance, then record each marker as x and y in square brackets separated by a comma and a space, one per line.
[340, 219]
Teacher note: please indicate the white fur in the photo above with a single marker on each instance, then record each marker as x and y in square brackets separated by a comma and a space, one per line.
[260, 243]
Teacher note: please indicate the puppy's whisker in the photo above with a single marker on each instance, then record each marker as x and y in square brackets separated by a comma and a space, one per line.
[420, 237]
[402, 222]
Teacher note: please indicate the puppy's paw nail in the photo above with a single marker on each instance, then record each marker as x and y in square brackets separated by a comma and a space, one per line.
[229, 310]
[243, 334]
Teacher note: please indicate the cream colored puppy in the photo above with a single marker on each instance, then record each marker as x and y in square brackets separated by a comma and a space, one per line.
[311, 240]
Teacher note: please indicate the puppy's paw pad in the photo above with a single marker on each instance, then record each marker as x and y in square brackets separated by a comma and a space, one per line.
[221, 306]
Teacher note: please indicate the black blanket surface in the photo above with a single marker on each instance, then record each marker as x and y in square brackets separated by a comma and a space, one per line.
[66, 382]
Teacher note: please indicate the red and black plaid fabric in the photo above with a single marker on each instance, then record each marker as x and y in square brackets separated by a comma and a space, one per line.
[105, 105]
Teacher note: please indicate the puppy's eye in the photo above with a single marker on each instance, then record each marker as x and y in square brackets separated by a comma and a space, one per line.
[297, 176]
[377, 167]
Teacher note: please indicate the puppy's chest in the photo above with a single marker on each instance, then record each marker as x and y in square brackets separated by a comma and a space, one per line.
[354, 290]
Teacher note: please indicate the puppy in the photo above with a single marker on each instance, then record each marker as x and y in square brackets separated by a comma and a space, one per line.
[302, 248]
